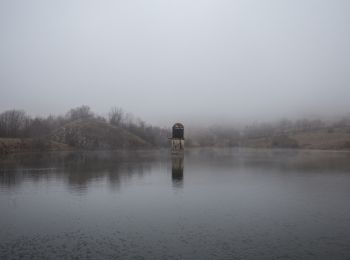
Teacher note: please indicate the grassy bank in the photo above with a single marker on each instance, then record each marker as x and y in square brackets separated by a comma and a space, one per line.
[15, 145]
[324, 139]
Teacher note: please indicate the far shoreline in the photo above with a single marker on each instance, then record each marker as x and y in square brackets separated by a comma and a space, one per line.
[16, 151]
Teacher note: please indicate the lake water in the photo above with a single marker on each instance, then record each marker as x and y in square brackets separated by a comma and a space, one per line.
[210, 204]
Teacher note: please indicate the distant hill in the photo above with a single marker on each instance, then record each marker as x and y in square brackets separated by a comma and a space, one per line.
[96, 134]
[80, 134]
[324, 139]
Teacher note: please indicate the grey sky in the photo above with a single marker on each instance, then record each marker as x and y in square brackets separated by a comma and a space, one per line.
[187, 60]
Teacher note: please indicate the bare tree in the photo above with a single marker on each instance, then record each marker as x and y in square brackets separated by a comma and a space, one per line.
[81, 112]
[116, 116]
[13, 122]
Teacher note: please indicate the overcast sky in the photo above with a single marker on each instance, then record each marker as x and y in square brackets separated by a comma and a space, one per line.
[178, 60]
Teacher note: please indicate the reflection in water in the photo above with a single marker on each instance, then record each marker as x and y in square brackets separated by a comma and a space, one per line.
[238, 204]
[177, 170]
[282, 160]
[77, 169]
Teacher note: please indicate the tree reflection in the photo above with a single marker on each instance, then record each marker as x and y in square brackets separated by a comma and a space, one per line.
[77, 169]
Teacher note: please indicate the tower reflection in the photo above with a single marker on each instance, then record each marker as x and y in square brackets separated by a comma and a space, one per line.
[177, 171]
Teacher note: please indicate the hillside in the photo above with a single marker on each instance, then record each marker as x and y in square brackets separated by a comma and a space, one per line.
[79, 134]
[87, 131]
[327, 139]
[96, 134]
[13, 145]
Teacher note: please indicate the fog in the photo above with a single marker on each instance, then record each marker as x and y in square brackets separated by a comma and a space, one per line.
[165, 61]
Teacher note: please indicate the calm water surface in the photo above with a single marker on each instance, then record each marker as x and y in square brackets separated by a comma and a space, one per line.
[210, 204]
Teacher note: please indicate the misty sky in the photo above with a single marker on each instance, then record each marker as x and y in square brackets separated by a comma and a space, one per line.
[179, 60]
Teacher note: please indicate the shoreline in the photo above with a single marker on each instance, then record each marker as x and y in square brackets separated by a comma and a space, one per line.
[65, 148]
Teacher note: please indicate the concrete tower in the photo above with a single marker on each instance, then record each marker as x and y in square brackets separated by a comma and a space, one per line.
[178, 140]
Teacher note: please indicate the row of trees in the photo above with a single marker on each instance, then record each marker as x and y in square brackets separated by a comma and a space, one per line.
[155, 135]
[18, 124]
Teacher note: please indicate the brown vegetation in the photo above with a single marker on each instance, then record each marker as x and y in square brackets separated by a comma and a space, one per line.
[12, 145]
[96, 134]
[80, 128]
[304, 134]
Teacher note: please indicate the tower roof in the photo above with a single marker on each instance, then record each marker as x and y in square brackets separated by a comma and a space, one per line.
[178, 125]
